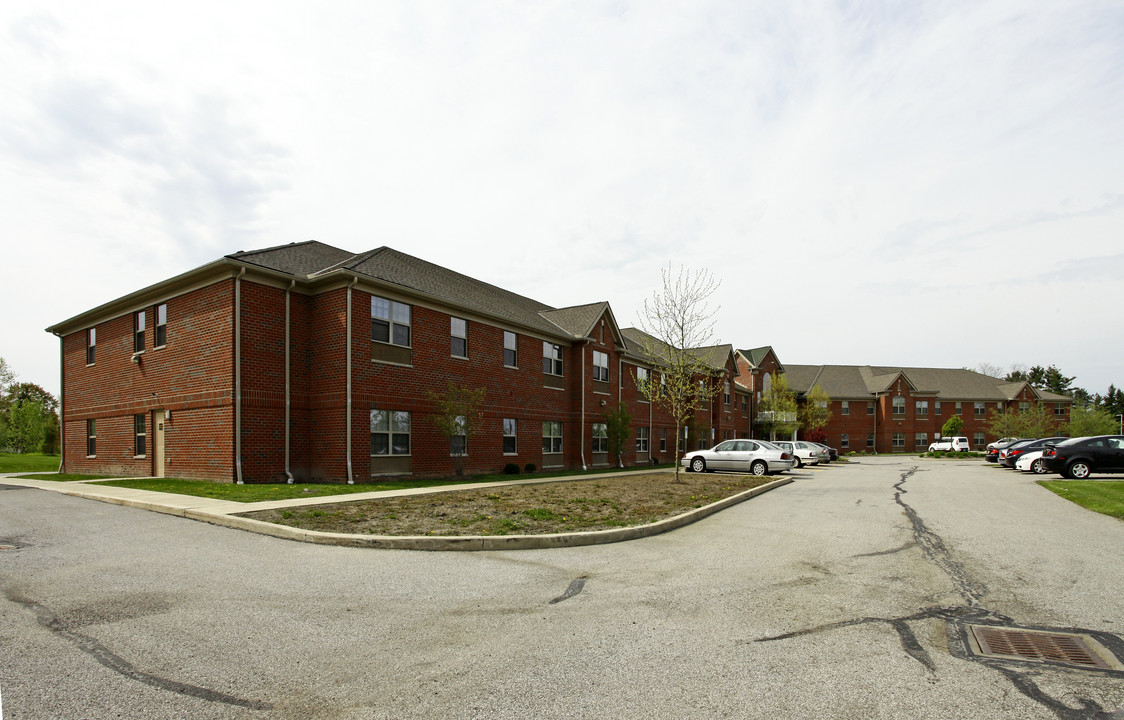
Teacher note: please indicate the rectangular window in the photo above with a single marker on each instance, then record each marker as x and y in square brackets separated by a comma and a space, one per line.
[899, 405]
[844, 408]
[959, 408]
[91, 343]
[1024, 407]
[870, 408]
[870, 440]
[641, 376]
[898, 440]
[140, 434]
[1059, 409]
[600, 366]
[845, 441]
[921, 439]
[936, 407]
[726, 393]
[980, 408]
[138, 333]
[161, 325]
[663, 439]
[642, 440]
[745, 403]
[458, 330]
[91, 438]
[509, 436]
[510, 350]
[979, 439]
[551, 437]
[921, 407]
[458, 441]
[600, 437]
[551, 359]
[390, 432]
[390, 322]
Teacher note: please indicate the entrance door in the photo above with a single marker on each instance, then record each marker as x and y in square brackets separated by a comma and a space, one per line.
[158, 425]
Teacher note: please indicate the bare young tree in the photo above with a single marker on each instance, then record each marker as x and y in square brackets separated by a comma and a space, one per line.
[457, 416]
[677, 321]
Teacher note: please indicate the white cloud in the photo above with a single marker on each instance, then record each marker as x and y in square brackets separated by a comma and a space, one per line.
[849, 171]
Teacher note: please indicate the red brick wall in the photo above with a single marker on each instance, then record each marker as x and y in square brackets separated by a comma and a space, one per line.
[192, 372]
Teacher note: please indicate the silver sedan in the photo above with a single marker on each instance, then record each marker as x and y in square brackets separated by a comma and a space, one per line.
[756, 457]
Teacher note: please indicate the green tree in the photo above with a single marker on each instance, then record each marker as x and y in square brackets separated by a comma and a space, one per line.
[457, 417]
[617, 424]
[777, 411]
[1085, 420]
[675, 321]
[814, 413]
[1005, 423]
[28, 419]
[952, 426]
[7, 376]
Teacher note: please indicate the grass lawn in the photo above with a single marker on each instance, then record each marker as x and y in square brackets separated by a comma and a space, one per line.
[256, 492]
[64, 477]
[594, 503]
[28, 462]
[1100, 496]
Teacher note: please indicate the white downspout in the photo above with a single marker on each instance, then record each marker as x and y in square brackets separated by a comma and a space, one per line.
[350, 476]
[62, 405]
[238, 375]
[581, 426]
[288, 401]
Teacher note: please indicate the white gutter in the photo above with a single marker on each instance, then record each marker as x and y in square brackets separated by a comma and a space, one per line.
[347, 432]
[62, 407]
[581, 426]
[238, 375]
[288, 401]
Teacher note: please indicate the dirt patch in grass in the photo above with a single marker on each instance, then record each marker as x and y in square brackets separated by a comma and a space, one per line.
[566, 506]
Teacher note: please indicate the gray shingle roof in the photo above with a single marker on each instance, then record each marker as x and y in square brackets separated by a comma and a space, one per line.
[578, 320]
[311, 260]
[862, 381]
[301, 259]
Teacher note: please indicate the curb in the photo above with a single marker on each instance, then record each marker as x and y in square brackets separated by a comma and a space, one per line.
[480, 542]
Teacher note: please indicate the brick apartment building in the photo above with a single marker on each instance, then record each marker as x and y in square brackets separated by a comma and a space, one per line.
[899, 409]
[309, 362]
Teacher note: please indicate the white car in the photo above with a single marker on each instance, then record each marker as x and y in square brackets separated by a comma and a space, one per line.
[804, 453]
[1032, 462]
[756, 457]
[953, 444]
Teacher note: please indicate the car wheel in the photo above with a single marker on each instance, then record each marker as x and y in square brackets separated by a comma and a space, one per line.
[799, 462]
[1038, 467]
[759, 467]
[1079, 470]
[698, 465]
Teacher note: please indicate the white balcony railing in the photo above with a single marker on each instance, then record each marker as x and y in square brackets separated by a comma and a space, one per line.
[773, 416]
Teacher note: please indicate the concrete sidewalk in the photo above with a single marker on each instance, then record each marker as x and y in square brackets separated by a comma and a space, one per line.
[227, 513]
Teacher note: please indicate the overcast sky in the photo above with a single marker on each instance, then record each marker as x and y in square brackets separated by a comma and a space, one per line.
[923, 184]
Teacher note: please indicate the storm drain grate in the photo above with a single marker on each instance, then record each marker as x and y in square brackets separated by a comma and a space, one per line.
[1074, 649]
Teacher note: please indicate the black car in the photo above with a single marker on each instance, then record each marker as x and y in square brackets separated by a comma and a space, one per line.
[1080, 457]
[1014, 452]
[994, 450]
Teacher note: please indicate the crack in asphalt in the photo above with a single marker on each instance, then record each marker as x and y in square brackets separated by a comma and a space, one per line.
[935, 550]
[106, 657]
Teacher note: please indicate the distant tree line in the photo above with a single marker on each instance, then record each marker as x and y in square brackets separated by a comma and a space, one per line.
[29, 420]
[1092, 413]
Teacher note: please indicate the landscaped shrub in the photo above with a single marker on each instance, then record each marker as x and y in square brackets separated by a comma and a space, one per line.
[511, 469]
[530, 467]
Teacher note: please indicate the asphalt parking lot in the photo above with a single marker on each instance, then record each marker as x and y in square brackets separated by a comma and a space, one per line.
[845, 594]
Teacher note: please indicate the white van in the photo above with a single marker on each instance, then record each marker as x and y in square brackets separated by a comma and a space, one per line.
[953, 444]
